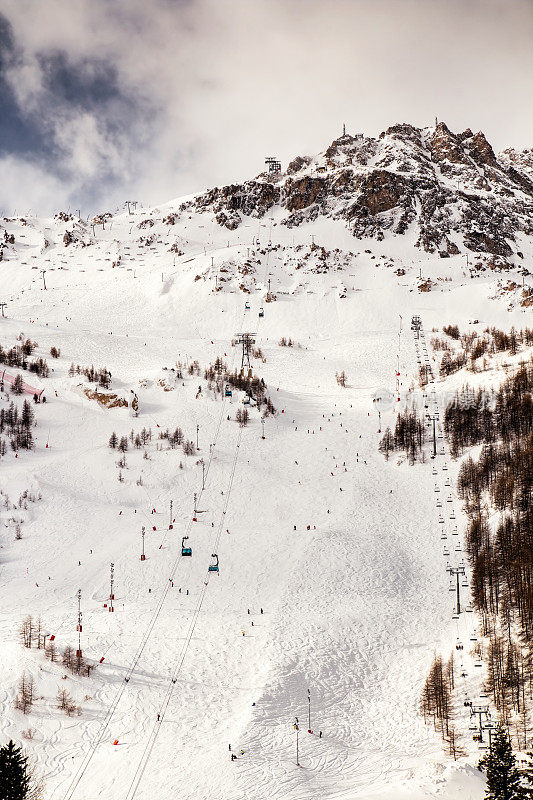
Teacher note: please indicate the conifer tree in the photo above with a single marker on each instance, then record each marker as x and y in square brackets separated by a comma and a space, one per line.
[503, 777]
[15, 778]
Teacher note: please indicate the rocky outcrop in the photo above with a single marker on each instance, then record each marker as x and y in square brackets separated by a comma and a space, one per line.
[481, 151]
[302, 192]
[444, 146]
[382, 191]
[297, 164]
[252, 198]
[451, 187]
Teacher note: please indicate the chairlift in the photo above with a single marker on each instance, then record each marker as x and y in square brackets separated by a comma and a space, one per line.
[185, 551]
[247, 306]
[439, 504]
[227, 391]
[445, 552]
[443, 535]
[444, 466]
[214, 567]
[458, 548]
[246, 400]
[261, 312]
[452, 515]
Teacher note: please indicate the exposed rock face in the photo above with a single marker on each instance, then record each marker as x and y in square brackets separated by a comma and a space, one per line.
[444, 146]
[302, 192]
[252, 198]
[452, 187]
[481, 151]
[297, 164]
[381, 191]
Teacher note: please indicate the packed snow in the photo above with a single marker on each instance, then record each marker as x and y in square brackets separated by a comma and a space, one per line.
[332, 574]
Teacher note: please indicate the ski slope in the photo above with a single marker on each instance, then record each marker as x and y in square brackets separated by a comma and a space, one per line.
[340, 548]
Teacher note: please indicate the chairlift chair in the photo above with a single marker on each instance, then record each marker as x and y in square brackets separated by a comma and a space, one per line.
[214, 567]
[185, 551]
[246, 400]
[247, 306]
[261, 312]
[227, 391]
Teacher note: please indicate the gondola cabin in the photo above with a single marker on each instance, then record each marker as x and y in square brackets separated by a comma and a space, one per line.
[247, 306]
[214, 567]
[185, 551]
[261, 312]
[227, 391]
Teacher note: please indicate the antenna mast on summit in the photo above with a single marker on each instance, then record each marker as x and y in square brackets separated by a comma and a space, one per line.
[344, 129]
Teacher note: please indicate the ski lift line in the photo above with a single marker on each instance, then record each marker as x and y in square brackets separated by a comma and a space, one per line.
[112, 708]
[139, 772]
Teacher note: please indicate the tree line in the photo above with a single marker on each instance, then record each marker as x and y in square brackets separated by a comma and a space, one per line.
[409, 435]
[500, 551]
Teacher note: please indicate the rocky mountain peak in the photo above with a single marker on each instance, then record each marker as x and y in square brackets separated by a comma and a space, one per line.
[450, 188]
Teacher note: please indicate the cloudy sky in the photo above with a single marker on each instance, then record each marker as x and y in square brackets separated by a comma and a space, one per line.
[107, 100]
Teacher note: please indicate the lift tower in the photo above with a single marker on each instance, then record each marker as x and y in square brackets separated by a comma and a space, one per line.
[246, 340]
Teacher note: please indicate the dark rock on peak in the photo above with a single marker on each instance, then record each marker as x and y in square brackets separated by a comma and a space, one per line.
[302, 192]
[465, 135]
[480, 150]
[403, 131]
[445, 146]
[297, 164]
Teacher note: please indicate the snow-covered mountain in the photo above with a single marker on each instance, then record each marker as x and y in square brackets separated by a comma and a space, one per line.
[332, 576]
[451, 188]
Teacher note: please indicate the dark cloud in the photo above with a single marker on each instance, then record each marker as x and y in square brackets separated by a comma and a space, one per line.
[104, 99]
[17, 134]
[89, 83]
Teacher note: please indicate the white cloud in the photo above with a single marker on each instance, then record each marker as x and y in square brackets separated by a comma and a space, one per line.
[219, 84]
[27, 189]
